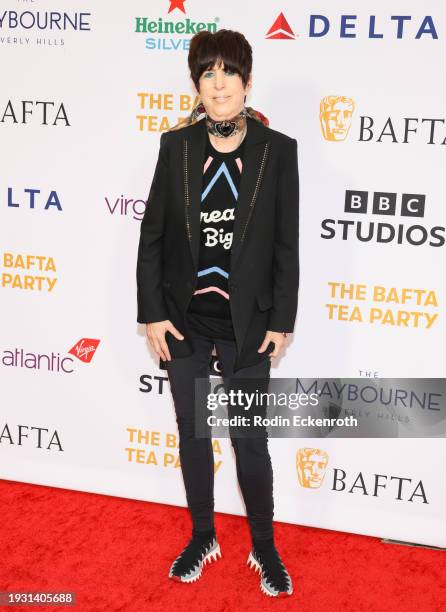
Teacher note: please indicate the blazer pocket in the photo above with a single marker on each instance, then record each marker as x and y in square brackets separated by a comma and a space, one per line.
[265, 300]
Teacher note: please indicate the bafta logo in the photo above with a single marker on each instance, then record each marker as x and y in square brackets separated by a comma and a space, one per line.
[311, 464]
[335, 115]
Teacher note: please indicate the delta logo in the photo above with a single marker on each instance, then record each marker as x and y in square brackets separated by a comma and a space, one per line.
[312, 471]
[280, 29]
[352, 26]
[170, 34]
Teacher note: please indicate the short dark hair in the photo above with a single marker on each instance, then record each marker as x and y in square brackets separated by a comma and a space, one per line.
[226, 46]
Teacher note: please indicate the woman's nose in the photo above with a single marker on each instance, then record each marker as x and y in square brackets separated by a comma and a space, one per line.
[219, 79]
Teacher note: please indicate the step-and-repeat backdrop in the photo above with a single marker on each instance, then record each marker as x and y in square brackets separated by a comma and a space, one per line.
[87, 88]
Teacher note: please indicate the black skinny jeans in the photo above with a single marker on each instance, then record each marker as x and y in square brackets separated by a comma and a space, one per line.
[253, 462]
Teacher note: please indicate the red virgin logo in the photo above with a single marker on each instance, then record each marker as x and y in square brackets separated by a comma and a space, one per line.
[84, 349]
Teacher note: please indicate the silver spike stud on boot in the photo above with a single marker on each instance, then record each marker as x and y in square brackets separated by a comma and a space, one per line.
[188, 566]
[275, 580]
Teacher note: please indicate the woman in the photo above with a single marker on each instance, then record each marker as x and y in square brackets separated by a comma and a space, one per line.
[218, 266]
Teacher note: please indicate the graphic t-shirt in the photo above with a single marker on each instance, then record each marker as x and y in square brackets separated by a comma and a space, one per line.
[209, 311]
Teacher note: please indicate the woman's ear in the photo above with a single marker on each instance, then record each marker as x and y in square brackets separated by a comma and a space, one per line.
[249, 83]
[195, 86]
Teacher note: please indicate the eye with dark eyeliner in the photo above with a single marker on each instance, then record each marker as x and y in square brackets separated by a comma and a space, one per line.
[211, 72]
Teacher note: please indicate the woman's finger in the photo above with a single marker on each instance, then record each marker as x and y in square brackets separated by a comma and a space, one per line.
[164, 347]
[158, 348]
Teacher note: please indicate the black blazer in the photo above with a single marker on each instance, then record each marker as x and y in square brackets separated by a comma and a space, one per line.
[264, 275]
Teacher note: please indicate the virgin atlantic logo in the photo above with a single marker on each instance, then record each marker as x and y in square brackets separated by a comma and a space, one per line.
[54, 361]
[85, 349]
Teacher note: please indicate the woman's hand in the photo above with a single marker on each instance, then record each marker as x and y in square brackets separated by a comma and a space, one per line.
[156, 333]
[279, 339]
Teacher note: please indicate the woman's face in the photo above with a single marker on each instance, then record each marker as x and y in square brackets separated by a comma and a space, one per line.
[222, 92]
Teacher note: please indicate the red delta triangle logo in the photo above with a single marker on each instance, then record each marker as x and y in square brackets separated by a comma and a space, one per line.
[84, 349]
[281, 29]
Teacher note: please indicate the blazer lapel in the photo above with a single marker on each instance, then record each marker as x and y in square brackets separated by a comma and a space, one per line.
[194, 149]
[254, 161]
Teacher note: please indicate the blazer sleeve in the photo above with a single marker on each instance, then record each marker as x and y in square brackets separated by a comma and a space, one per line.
[286, 244]
[149, 267]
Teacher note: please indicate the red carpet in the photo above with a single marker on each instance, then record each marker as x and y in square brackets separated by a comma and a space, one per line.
[115, 554]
